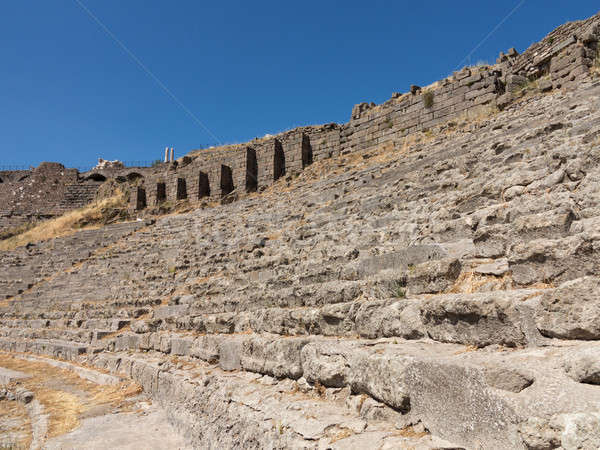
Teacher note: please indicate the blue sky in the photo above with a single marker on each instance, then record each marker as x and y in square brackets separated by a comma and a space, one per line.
[69, 93]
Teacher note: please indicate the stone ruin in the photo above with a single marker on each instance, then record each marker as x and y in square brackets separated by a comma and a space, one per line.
[429, 280]
[105, 164]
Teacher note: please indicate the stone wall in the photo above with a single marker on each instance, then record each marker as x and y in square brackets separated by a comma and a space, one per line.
[421, 109]
[29, 195]
[214, 173]
[561, 60]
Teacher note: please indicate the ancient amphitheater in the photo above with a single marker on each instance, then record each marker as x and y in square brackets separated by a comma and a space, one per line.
[425, 276]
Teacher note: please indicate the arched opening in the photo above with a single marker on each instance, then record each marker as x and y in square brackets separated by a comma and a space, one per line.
[96, 177]
[161, 192]
[181, 189]
[307, 153]
[203, 185]
[226, 180]
[278, 161]
[251, 170]
[24, 177]
[140, 202]
[132, 176]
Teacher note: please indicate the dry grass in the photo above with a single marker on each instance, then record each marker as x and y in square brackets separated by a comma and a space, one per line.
[91, 216]
[14, 231]
[66, 396]
[542, 285]
[16, 411]
[342, 434]
[467, 349]
[409, 432]
[320, 389]
[470, 282]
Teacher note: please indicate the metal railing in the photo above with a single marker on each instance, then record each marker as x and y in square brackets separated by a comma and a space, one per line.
[8, 167]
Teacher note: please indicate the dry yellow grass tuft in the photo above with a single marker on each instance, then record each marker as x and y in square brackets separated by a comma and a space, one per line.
[470, 282]
[92, 216]
[410, 432]
[342, 434]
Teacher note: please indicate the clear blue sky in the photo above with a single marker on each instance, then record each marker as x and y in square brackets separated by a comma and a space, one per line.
[245, 68]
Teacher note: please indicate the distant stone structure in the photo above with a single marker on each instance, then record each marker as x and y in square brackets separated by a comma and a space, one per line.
[561, 60]
[105, 164]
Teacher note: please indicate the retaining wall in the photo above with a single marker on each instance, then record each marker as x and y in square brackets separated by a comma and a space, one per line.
[561, 60]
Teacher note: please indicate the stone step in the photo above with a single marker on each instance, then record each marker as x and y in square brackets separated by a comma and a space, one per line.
[49, 347]
[498, 317]
[461, 395]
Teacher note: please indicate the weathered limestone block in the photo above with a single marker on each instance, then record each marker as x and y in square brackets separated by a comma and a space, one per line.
[480, 319]
[571, 311]
[207, 348]
[274, 356]
[410, 256]
[560, 259]
[583, 365]
[433, 276]
[515, 82]
[339, 365]
[567, 431]
[230, 353]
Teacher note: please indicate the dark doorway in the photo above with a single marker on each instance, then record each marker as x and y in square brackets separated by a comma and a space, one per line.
[141, 198]
[96, 177]
[307, 153]
[251, 170]
[278, 161]
[226, 180]
[203, 185]
[181, 189]
[161, 192]
[132, 176]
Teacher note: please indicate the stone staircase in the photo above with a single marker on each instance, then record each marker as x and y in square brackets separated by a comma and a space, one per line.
[441, 295]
